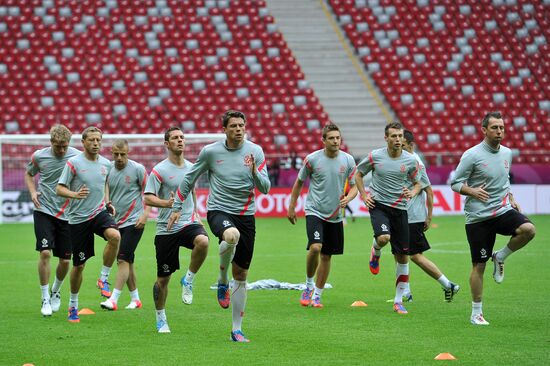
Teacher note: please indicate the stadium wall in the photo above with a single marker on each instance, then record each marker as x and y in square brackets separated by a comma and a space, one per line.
[533, 199]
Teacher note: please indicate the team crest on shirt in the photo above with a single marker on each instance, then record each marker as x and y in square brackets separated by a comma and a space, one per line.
[103, 170]
[342, 169]
[506, 165]
[127, 179]
[247, 160]
[403, 168]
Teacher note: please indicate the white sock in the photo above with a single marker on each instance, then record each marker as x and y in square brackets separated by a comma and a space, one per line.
[238, 303]
[402, 277]
[56, 285]
[189, 277]
[317, 293]
[503, 253]
[444, 281]
[310, 282]
[73, 300]
[377, 249]
[115, 295]
[134, 295]
[227, 251]
[161, 314]
[477, 308]
[407, 290]
[45, 292]
[105, 273]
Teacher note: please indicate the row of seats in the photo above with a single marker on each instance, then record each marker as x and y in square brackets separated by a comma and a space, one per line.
[140, 67]
[442, 66]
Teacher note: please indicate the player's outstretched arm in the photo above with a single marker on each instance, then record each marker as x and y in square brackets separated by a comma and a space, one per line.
[152, 200]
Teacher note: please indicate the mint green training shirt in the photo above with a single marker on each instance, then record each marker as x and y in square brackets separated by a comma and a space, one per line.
[479, 165]
[126, 192]
[389, 176]
[328, 177]
[231, 181]
[49, 167]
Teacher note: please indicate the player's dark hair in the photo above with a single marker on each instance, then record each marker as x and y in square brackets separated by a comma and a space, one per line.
[408, 136]
[395, 125]
[232, 114]
[167, 133]
[328, 128]
[488, 116]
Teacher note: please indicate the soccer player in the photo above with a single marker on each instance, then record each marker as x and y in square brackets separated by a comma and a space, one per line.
[420, 218]
[393, 172]
[483, 177]
[328, 170]
[126, 182]
[83, 180]
[50, 222]
[235, 168]
[188, 231]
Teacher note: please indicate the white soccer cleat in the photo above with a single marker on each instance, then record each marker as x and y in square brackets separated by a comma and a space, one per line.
[186, 292]
[134, 304]
[162, 326]
[55, 301]
[478, 319]
[46, 309]
[498, 269]
[109, 305]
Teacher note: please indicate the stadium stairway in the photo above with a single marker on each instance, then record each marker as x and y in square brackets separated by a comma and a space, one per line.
[327, 65]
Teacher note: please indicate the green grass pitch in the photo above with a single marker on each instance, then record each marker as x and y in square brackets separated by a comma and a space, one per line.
[281, 331]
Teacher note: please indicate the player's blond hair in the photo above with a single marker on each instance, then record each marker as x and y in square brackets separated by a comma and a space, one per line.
[120, 143]
[60, 133]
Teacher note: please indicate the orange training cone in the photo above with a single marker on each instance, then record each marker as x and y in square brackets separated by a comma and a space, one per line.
[86, 311]
[359, 303]
[445, 356]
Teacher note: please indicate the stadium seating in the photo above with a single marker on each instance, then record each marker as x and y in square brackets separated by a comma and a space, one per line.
[443, 64]
[142, 66]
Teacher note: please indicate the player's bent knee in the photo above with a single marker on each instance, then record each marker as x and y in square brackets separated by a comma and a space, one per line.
[112, 236]
[231, 235]
[201, 242]
[383, 239]
[528, 230]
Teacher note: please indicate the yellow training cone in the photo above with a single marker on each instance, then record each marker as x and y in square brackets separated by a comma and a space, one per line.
[359, 303]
